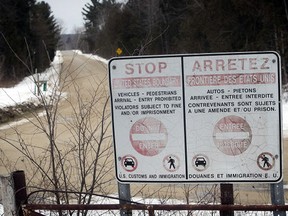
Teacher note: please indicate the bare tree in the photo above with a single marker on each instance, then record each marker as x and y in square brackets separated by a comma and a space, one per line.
[73, 159]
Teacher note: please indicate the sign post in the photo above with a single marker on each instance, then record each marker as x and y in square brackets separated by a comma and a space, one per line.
[213, 118]
[277, 197]
[124, 198]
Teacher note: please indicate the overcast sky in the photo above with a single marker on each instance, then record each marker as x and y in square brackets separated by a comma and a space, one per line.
[68, 13]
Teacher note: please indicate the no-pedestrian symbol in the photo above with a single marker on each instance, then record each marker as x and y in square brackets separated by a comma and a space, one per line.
[266, 161]
[171, 163]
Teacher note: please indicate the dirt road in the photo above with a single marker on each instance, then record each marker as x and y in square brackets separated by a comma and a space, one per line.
[75, 116]
[84, 92]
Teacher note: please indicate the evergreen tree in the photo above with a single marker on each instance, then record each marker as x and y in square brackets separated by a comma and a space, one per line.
[14, 30]
[187, 26]
[24, 25]
[102, 24]
[45, 34]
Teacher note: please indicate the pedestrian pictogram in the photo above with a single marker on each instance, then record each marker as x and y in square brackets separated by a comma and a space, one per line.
[171, 163]
[129, 163]
[200, 162]
[266, 161]
[148, 136]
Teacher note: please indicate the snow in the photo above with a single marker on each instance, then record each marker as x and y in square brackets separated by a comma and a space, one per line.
[26, 92]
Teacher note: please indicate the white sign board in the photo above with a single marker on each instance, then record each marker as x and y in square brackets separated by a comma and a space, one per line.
[197, 118]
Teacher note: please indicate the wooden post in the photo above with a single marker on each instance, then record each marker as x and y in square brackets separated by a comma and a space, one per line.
[19, 191]
[8, 198]
[13, 190]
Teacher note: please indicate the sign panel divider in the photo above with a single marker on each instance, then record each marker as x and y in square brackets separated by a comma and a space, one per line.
[184, 117]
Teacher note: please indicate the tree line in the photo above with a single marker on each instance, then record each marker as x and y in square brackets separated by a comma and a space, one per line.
[29, 35]
[29, 32]
[141, 27]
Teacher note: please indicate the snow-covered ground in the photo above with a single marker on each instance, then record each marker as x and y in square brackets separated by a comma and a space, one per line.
[25, 92]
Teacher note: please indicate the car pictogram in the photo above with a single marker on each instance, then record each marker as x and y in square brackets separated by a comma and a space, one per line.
[129, 162]
[200, 161]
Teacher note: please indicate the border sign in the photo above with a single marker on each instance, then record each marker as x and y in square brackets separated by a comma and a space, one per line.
[197, 118]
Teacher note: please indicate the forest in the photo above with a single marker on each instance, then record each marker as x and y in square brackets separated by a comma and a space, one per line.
[29, 33]
[148, 27]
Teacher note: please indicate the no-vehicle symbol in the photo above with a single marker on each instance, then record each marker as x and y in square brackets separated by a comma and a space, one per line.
[200, 162]
[129, 163]
[148, 136]
[232, 135]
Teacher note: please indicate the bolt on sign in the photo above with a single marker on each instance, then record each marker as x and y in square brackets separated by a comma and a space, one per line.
[197, 118]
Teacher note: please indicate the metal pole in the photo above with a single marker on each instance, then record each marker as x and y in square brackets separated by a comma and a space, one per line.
[227, 198]
[277, 197]
[124, 198]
